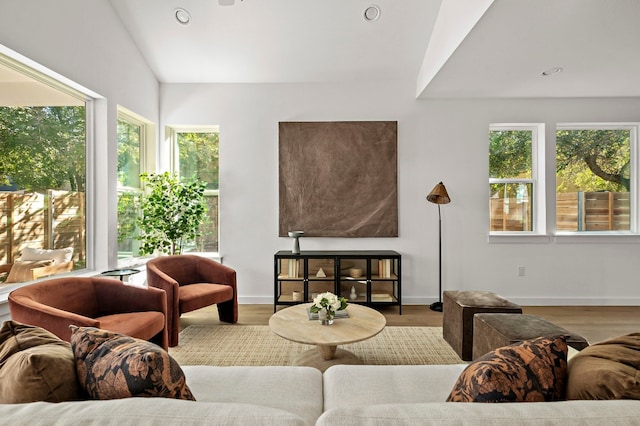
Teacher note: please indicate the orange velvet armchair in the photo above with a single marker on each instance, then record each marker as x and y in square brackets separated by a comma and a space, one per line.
[193, 282]
[92, 302]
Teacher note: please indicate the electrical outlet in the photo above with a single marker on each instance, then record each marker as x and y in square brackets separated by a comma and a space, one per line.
[521, 271]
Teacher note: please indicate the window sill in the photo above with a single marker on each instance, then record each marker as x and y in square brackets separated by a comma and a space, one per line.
[566, 238]
[598, 237]
[510, 238]
[135, 262]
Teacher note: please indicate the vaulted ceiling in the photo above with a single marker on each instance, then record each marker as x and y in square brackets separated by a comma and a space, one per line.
[447, 48]
[450, 48]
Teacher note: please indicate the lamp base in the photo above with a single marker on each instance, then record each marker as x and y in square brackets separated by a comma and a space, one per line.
[436, 306]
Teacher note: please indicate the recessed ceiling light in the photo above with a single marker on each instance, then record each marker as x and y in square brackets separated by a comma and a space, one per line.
[551, 71]
[371, 13]
[182, 16]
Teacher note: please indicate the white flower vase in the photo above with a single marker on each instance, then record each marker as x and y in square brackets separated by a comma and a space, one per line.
[325, 317]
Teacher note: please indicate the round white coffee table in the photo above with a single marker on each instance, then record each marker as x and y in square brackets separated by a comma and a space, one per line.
[293, 324]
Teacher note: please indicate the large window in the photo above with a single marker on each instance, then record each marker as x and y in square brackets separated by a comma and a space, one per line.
[594, 175]
[131, 138]
[43, 156]
[596, 187]
[196, 155]
[513, 178]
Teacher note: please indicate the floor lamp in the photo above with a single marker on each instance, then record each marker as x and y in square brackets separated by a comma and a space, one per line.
[438, 195]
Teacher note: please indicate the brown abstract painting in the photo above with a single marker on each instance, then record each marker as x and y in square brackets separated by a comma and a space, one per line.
[338, 179]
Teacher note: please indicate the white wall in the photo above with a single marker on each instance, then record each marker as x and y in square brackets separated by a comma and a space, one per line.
[85, 42]
[437, 140]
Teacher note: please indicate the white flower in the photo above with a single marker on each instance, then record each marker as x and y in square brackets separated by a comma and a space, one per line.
[327, 301]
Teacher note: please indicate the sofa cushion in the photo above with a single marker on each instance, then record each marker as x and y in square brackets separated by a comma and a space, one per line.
[563, 413]
[111, 365]
[359, 385]
[606, 370]
[56, 255]
[529, 371]
[35, 365]
[21, 271]
[146, 412]
[297, 389]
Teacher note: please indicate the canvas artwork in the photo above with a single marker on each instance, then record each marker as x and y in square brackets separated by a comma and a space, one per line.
[338, 179]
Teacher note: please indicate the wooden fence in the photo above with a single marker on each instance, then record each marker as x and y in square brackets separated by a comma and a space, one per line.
[52, 220]
[593, 211]
[576, 211]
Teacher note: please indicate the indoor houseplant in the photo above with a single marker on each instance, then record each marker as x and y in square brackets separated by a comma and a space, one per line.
[172, 211]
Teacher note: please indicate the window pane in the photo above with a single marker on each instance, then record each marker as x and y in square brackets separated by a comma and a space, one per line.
[130, 135]
[593, 179]
[510, 154]
[510, 207]
[42, 180]
[128, 154]
[198, 156]
[128, 212]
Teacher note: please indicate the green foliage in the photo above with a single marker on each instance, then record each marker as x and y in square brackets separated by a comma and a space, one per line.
[171, 213]
[586, 160]
[593, 160]
[510, 154]
[127, 215]
[199, 155]
[128, 154]
[43, 147]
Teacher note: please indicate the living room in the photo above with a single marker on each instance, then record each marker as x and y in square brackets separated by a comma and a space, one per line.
[460, 78]
[439, 139]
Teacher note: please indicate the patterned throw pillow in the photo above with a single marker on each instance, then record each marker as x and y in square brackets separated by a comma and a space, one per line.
[529, 371]
[112, 366]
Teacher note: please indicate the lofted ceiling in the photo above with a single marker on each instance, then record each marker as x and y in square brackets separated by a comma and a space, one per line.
[276, 41]
[595, 42]
[492, 48]
[447, 48]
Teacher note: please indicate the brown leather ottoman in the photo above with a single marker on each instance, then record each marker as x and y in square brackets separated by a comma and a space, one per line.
[493, 331]
[459, 307]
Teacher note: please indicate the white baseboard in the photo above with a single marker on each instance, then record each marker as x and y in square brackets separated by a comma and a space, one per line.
[523, 301]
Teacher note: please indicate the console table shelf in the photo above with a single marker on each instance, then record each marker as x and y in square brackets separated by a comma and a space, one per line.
[375, 275]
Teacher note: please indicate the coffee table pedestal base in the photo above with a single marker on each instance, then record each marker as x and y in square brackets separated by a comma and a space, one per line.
[314, 358]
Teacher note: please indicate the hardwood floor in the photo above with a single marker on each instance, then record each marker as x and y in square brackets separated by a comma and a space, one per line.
[595, 323]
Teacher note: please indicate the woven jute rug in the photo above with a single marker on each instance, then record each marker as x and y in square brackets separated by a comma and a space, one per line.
[228, 345]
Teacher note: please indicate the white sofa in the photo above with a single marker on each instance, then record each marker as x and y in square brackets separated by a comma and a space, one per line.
[343, 395]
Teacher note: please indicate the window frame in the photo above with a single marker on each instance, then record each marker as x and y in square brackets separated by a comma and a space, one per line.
[171, 136]
[92, 103]
[537, 180]
[146, 165]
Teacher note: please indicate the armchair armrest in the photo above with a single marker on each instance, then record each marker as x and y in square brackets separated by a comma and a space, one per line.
[217, 273]
[24, 309]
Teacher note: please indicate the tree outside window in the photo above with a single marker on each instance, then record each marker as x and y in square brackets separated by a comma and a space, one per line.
[511, 179]
[198, 157]
[43, 179]
[130, 136]
[593, 178]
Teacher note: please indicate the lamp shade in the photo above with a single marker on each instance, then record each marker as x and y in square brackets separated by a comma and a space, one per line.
[439, 195]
